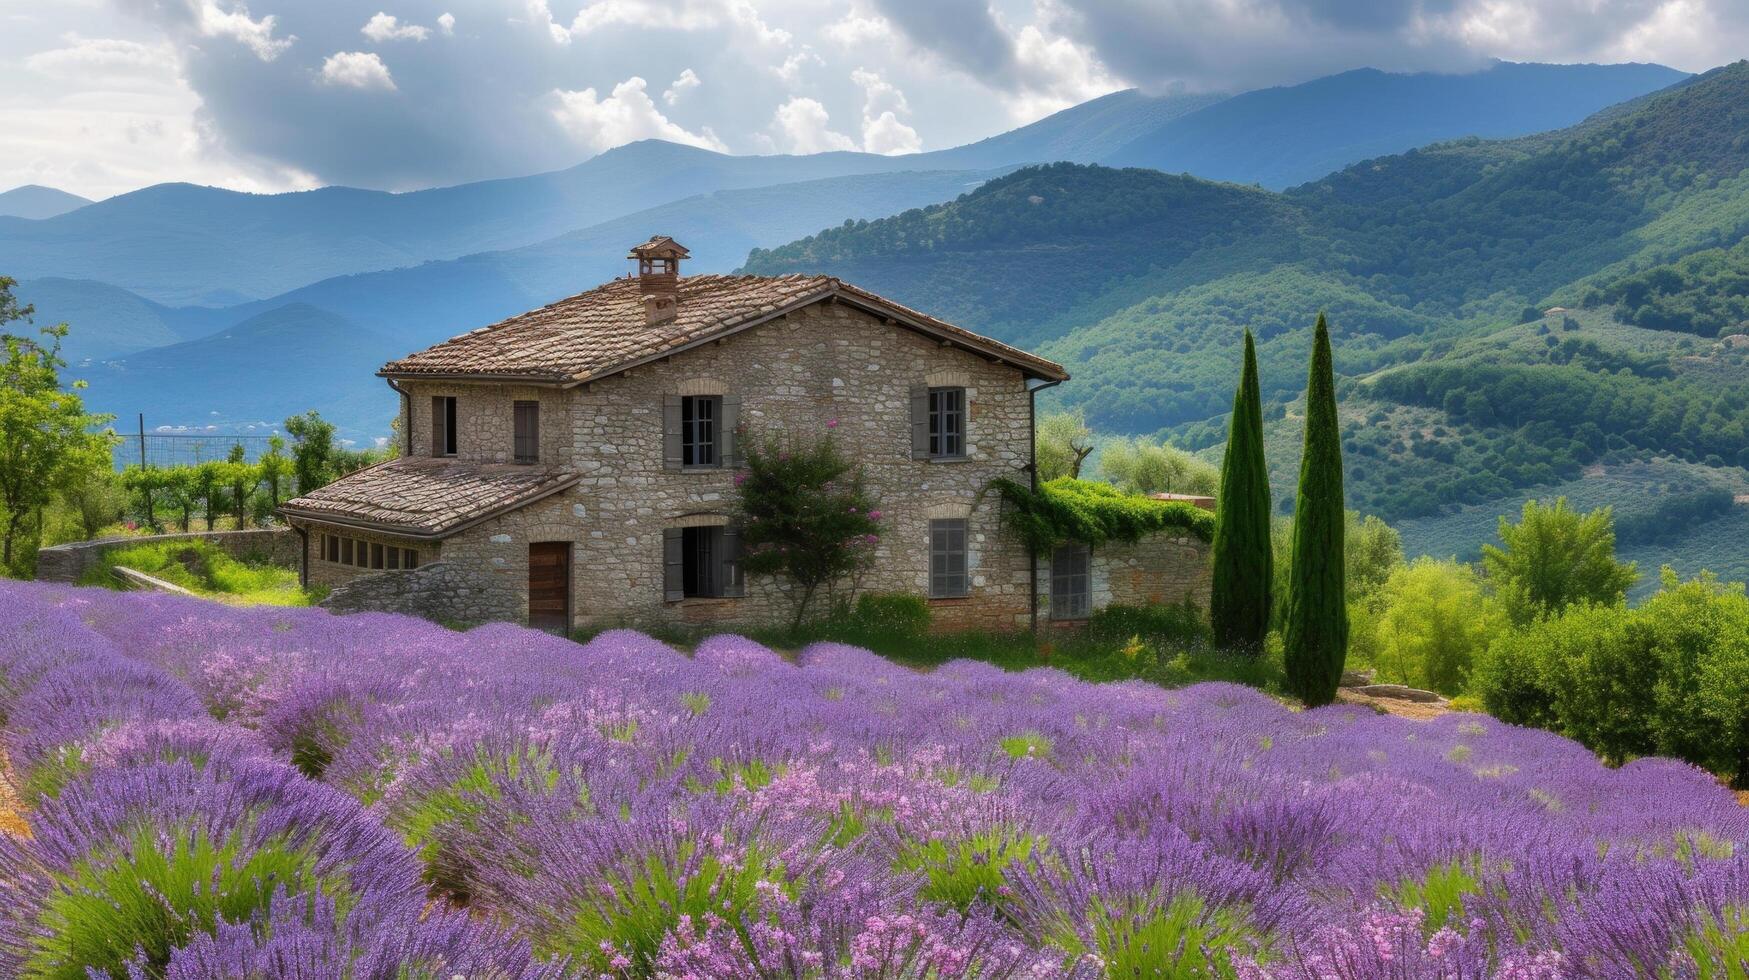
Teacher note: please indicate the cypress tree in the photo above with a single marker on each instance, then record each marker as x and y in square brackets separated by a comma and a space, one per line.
[1316, 633]
[1243, 561]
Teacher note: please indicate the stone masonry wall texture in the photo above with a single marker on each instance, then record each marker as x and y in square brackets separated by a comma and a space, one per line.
[826, 368]
[68, 562]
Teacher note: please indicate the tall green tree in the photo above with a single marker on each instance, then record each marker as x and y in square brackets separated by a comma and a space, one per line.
[1316, 633]
[1143, 466]
[1555, 557]
[1064, 442]
[312, 450]
[275, 467]
[1244, 570]
[48, 441]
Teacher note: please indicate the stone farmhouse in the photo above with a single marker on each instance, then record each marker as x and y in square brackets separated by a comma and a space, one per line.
[575, 465]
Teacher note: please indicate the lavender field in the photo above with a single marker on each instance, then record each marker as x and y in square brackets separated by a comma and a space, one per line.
[225, 792]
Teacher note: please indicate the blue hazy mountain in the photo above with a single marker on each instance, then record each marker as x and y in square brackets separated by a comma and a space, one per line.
[402, 310]
[1282, 137]
[182, 244]
[35, 202]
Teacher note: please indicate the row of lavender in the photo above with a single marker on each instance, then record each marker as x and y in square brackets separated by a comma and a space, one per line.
[619, 809]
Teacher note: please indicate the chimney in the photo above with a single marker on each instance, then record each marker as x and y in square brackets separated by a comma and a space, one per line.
[659, 277]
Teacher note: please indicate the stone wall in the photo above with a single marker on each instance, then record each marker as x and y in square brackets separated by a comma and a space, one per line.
[69, 562]
[443, 592]
[1160, 569]
[824, 364]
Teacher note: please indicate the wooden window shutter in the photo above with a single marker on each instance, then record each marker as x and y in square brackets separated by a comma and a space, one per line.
[526, 442]
[439, 425]
[728, 448]
[733, 582]
[673, 564]
[919, 421]
[671, 452]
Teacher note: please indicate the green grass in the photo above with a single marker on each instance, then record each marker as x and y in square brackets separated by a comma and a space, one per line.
[205, 568]
[1167, 645]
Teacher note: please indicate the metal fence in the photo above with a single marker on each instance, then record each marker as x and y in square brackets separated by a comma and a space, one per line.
[164, 449]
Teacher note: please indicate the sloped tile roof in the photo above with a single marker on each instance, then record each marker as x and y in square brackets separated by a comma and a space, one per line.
[425, 497]
[604, 331]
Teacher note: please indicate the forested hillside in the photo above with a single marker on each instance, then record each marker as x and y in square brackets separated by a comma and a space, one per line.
[1435, 267]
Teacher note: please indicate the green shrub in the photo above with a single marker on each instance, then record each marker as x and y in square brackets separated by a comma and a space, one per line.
[1510, 684]
[895, 614]
[1179, 625]
[1670, 677]
[1430, 624]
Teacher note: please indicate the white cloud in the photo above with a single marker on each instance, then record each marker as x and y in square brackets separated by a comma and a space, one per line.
[104, 59]
[387, 27]
[882, 105]
[790, 70]
[213, 21]
[446, 22]
[357, 69]
[803, 125]
[626, 115]
[678, 15]
[687, 81]
[886, 134]
[858, 30]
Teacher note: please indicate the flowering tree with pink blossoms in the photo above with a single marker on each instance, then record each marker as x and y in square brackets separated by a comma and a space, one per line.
[805, 515]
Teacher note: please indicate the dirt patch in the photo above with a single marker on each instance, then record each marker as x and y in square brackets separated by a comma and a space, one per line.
[1416, 710]
[12, 822]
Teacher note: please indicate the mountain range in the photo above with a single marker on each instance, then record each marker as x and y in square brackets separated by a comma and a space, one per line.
[207, 308]
[1514, 317]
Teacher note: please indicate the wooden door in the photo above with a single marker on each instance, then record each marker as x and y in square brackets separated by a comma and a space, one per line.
[549, 585]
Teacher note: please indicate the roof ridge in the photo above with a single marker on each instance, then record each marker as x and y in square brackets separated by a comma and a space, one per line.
[603, 330]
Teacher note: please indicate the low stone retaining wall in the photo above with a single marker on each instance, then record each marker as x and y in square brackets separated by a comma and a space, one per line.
[443, 592]
[69, 562]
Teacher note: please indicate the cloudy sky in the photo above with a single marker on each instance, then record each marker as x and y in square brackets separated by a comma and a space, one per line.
[104, 96]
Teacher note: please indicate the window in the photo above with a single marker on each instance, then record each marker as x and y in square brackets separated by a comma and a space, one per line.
[366, 554]
[938, 422]
[443, 425]
[1071, 582]
[947, 559]
[698, 430]
[702, 562]
[947, 422]
[527, 419]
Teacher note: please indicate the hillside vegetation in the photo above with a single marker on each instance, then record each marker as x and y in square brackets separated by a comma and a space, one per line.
[1434, 267]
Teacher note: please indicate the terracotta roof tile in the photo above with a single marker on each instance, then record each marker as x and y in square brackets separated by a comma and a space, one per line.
[425, 497]
[603, 331]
